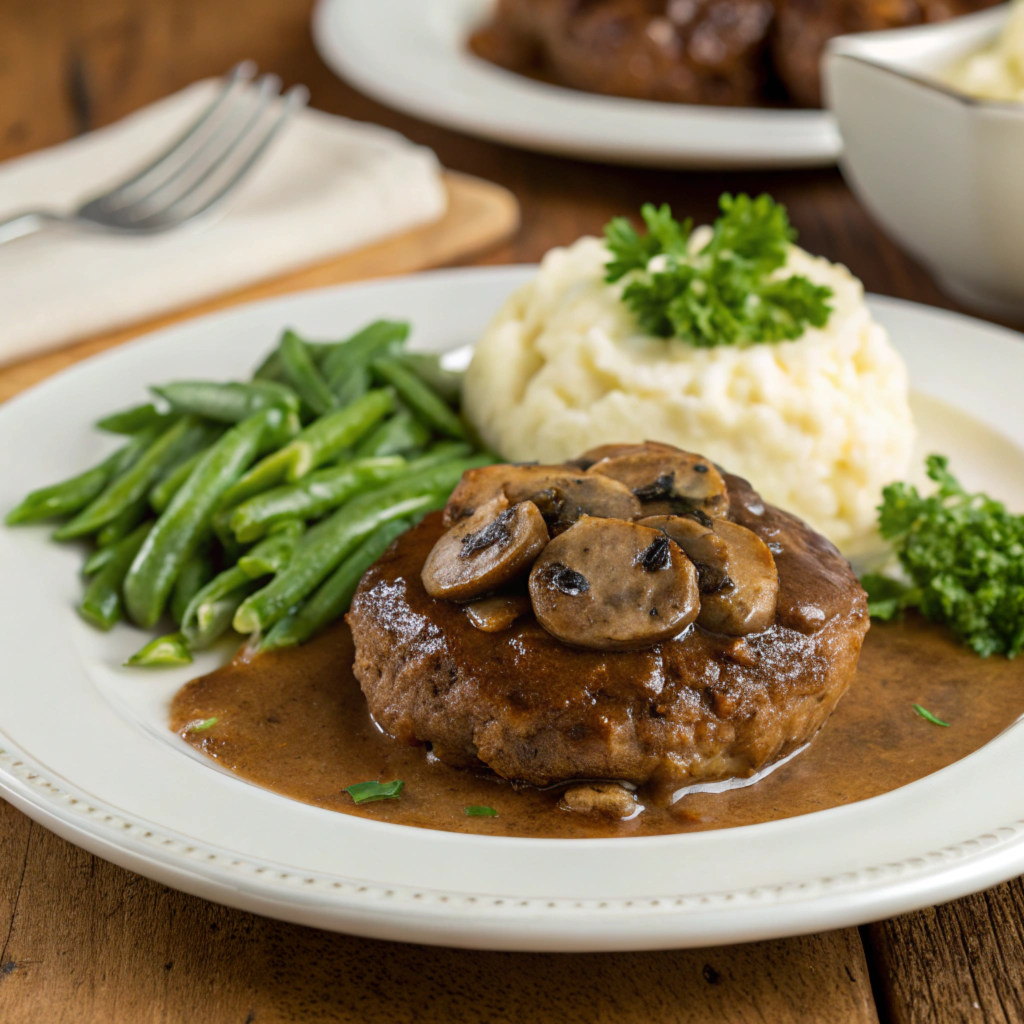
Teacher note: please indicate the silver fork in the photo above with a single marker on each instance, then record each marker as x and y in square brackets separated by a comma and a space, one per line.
[195, 173]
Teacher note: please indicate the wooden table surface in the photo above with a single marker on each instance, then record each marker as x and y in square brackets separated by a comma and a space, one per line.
[85, 941]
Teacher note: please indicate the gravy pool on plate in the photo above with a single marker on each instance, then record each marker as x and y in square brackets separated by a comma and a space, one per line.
[296, 722]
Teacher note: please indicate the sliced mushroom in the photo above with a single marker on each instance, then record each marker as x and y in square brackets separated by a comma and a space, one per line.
[493, 546]
[739, 584]
[667, 480]
[497, 613]
[608, 799]
[613, 585]
[613, 451]
[561, 493]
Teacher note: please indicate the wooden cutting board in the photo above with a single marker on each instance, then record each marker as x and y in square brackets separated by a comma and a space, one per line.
[479, 215]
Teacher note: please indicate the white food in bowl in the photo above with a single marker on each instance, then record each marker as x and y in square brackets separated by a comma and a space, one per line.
[817, 425]
[939, 171]
[997, 71]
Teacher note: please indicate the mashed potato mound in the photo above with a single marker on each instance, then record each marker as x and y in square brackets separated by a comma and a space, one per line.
[819, 426]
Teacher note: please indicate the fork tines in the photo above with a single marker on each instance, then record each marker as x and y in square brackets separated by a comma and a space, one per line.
[206, 162]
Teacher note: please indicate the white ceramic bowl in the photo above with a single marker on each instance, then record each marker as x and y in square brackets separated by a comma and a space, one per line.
[943, 173]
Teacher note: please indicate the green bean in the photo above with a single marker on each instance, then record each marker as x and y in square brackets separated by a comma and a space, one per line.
[442, 451]
[283, 430]
[304, 574]
[335, 594]
[132, 485]
[355, 384]
[121, 525]
[427, 366]
[267, 473]
[98, 559]
[270, 368]
[72, 495]
[178, 530]
[195, 574]
[221, 523]
[274, 553]
[60, 499]
[163, 652]
[311, 497]
[215, 618]
[420, 399]
[402, 434]
[131, 421]
[301, 372]
[227, 403]
[329, 542]
[376, 339]
[103, 602]
[168, 485]
[325, 439]
[220, 586]
[320, 442]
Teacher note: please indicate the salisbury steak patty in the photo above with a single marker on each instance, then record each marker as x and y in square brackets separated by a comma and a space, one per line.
[522, 703]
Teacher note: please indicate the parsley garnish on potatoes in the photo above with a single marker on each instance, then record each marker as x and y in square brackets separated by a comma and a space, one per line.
[723, 293]
[963, 555]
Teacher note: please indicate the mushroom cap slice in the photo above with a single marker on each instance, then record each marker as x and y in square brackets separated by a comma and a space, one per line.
[496, 613]
[613, 585]
[739, 584]
[608, 799]
[495, 545]
[665, 478]
[562, 493]
[613, 451]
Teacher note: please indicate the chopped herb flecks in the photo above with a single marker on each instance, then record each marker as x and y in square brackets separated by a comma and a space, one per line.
[724, 293]
[366, 792]
[929, 717]
[963, 555]
[206, 723]
[481, 812]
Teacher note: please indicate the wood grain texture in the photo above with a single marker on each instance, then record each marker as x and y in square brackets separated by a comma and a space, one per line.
[84, 941]
[88, 942]
[961, 962]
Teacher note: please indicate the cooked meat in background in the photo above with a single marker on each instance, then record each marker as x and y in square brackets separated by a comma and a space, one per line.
[679, 51]
[803, 27]
[520, 702]
[720, 52]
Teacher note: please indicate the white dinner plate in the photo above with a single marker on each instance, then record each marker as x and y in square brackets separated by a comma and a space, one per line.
[413, 56]
[86, 751]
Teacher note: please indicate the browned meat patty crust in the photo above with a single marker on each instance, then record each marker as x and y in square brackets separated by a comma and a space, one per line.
[723, 52]
[677, 51]
[520, 702]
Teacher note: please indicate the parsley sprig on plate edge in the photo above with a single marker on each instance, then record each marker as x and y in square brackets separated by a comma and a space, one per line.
[726, 292]
[963, 556]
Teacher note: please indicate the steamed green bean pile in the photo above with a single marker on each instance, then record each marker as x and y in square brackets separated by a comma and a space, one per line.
[256, 506]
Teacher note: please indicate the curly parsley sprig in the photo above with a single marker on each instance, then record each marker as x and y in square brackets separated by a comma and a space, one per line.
[964, 557]
[726, 293]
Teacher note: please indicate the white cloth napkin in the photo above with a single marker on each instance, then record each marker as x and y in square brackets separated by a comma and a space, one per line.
[326, 186]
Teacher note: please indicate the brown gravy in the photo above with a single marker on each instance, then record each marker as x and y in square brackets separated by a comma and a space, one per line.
[295, 722]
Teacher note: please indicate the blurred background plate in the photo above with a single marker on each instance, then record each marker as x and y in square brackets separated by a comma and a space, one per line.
[412, 56]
